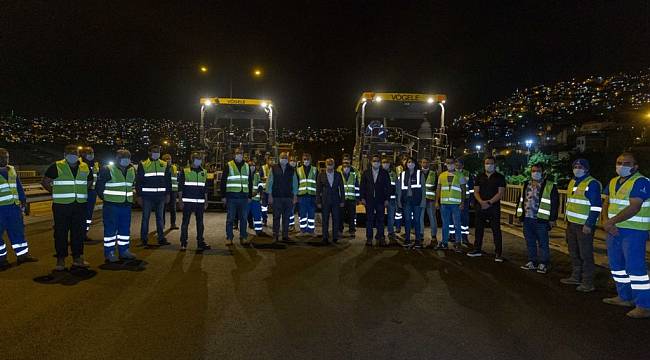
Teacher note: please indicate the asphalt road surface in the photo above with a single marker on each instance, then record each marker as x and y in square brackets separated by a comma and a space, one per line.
[344, 301]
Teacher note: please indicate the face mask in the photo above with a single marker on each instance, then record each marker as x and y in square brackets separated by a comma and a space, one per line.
[292, 163]
[330, 167]
[346, 169]
[155, 156]
[451, 167]
[71, 158]
[284, 162]
[411, 166]
[623, 171]
[385, 166]
[3, 162]
[579, 172]
[306, 162]
[489, 168]
[425, 167]
[197, 162]
[90, 157]
[239, 157]
[124, 162]
[375, 165]
[536, 175]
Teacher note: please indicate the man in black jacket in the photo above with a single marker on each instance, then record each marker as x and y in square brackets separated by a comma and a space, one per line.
[537, 210]
[375, 192]
[330, 197]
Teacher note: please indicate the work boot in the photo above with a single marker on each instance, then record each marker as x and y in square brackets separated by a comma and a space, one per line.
[173, 227]
[25, 258]
[639, 313]
[127, 255]
[570, 281]
[183, 247]
[203, 246]
[616, 300]
[60, 264]
[4, 264]
[230, 243]
[80, 262]
[585, 287]
[163, 242]
[110, 258]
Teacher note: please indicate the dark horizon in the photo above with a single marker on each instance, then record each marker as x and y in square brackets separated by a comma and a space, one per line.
[123, 59]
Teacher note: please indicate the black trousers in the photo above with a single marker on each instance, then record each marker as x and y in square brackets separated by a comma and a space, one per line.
[198, 210]
[349, 216]
[171, 208]
[333, 210]
[69, 224]
[493, 216]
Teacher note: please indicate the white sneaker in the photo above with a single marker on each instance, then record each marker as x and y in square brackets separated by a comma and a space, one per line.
[529, 266]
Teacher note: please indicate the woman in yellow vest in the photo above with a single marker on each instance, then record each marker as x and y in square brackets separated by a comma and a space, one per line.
[537, 210]
[628, 211]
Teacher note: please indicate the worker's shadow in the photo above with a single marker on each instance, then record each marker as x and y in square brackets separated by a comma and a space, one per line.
[125, 265]
[68, 277]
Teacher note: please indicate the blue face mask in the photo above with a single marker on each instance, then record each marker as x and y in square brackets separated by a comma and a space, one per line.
[197, 162]
[124, 162]
[71, 158]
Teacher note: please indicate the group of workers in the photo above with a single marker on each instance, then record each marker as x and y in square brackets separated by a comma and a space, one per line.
[404, 192]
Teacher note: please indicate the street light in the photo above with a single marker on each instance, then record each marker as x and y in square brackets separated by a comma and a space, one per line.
[206, 104]
[529, 143]
[257, 72]
[203, 69]
[478, 148]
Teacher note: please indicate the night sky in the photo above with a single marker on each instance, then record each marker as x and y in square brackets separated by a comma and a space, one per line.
[141, 58]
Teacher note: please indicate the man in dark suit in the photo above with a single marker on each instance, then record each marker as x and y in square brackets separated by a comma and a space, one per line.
[330, 197]
[375, 192]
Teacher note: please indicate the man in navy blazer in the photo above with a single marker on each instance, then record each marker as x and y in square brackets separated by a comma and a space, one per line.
[375, 193]
[330, 197]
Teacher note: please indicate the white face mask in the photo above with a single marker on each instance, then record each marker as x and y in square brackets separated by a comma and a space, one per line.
[284, 162]
[385, 166]
[155, 156]
[623, 171]
[239, 157]
[252, 167]
[124, 162]
[292, 163]
[90, 157]
[451, 167]
[425, 167]
[536, 175]
[579, 172]
[411, 166]
[197, 162]
[346, 169]
[375, 165]
[306, 162]
[489, 168]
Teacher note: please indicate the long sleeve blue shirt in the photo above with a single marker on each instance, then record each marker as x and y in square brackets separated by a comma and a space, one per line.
[595, 200]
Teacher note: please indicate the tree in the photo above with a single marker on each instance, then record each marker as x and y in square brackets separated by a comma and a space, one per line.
[555, 169]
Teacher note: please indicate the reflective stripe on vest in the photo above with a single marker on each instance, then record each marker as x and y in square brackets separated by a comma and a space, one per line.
[306, 182]
[619, 200]
[450, 193]
[544, 211]
[417, 184]
[578, 205]
[236, 181]
[196, 180]
[174, 177]
[393, 180]
[430, 185]
[119, 189]
[351, 190]
[9, 188]
[67, 188]
[257, 183]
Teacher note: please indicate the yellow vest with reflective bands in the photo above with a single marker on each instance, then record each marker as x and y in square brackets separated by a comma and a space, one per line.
[430, 184]
[544, 211]
[450, 193]
[120, 188]
[619, 200]
[578, 205]
[9, 188]
[306, 182]
[174, 176]
[236, 181]
[67, 188]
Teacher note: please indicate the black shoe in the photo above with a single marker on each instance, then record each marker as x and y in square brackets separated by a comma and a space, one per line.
[325, 241]
[335, 240]
[203, 247]
[183, 247]
[407, 244]
[173, 227]
[368, 242]
[285, 239]
[475, 253]
[418, 245]
[441, 246]
[163, 242]
[25, 259]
